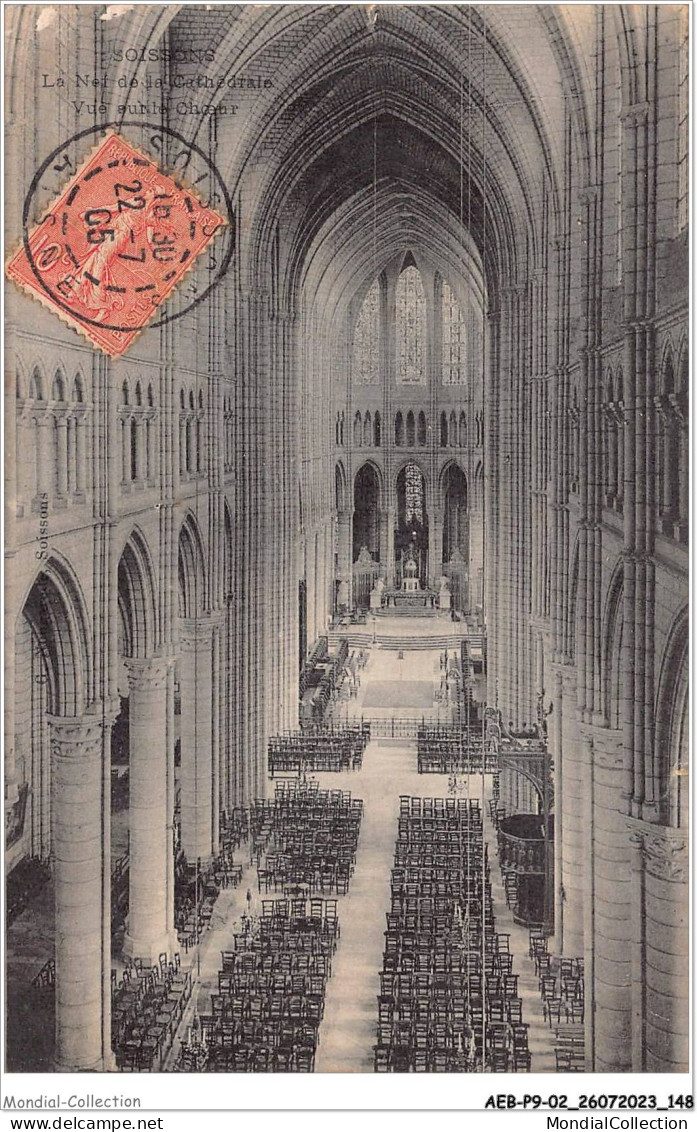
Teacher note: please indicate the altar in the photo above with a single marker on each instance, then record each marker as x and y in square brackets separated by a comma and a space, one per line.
[409, 597]
[399, 601]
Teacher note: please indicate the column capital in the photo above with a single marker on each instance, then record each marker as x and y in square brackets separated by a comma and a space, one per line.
[607, 746]
[76, 735]
[663, 849]
[194, 631]
[147, 673]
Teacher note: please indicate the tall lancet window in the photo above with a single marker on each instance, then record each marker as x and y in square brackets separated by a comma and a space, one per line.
[414, 493]
[454, 340]
[411, 328]
[366, 339]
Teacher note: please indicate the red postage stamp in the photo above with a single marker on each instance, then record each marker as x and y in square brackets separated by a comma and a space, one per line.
[114, 245]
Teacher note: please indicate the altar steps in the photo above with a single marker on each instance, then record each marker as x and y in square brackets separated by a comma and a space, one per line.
[408, 611]
[359, 637]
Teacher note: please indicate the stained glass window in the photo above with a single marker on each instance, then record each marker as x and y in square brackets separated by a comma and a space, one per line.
[454, 340]
[411, 328]
[414, 493]
[366, 339]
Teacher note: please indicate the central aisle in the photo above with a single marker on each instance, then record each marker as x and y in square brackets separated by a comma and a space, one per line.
[348, 1030]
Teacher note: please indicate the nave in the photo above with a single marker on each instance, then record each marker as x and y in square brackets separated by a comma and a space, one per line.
[445, 376]
[173, 1025]
[348, 1029]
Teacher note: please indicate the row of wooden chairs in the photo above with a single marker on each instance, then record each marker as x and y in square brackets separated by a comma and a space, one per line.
[561, 984]
[448, 991]
[312, 841]
[269, 1006]
[331, 749]
[147, 1007]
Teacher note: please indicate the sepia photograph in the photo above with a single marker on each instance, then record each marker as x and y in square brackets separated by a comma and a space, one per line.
[346, 564]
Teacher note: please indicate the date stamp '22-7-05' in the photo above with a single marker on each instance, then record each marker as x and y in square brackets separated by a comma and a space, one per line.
[113, 246]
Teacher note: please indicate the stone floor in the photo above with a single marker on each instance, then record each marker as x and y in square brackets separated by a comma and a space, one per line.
[348, 1029]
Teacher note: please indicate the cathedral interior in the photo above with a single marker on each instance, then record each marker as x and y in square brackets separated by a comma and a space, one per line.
[353, 596]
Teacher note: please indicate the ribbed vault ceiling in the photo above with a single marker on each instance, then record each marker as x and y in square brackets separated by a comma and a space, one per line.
[466, 108]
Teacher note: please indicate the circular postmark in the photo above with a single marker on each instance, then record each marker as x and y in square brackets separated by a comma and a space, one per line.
[128, 228]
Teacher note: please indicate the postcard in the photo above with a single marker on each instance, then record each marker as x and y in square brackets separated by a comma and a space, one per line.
[346, 560]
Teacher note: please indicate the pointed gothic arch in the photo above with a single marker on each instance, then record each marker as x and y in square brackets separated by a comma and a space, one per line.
[671, 758]
[191, 569]
[137, 598]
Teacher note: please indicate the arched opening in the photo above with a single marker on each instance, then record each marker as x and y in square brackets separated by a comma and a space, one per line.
[366, 500]
[46, 684]
[673, 729]
[339, 490]
[36, 386]
[444, 430]
[196, 814]
[411, 430]
[411, 535]
[191, 572]
[58, 390]
[612, 654]
[367, 430]
[421, 430]
[58, 772]
[377, 430]
[357, 431]
[399, 430]
[455, 514]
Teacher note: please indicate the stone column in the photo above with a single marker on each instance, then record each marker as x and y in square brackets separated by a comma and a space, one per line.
[389, 554]
[80, 425]
[216, 738]
[61, 457]
[384, 536]
[588, 862]
[78, 808]
[70, 448]
[197, 786]
[476, 558]
[609, 996]
[661, 949]
[43, 481]
[572, 871]
[170, 804]
[435, 548]
[149, 931]
[555, 746]
[124, 430]
[345, 540]
[141, 451]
